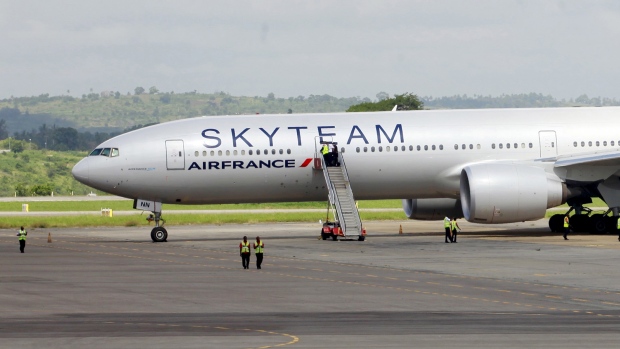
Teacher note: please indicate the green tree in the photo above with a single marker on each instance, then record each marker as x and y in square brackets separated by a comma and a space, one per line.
[139, 90]
[406, 101]
[153, 90]
[17, 146]
[4, 133]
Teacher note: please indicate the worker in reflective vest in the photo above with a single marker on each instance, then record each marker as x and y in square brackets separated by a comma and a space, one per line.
[566, 227]
[455, 228]
[618, 228]
[244, 251]
[258, 251]
[326, 155]
[22, 239]
[447, 226]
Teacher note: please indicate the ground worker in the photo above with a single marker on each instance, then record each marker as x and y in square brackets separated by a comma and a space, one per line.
[618, 228]
[447, 226]
[258, 251]
[326, 154]
[244, 251]
[22, 239]
[566, 227]
[455, 228]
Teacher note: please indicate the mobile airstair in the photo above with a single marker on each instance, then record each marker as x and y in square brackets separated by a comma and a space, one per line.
[341, 200]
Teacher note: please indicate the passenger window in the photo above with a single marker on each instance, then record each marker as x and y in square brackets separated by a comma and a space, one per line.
[204, 153]
[219, 153]
[507, 145]
[180, 155]
[372, 149]
[250, 152]
[523, 145]
[583, 144]
[612, 143]
[589, 143]
[478, 146]
[463, 146]
[426, 147]
[552, 144]
[516, 146]
[243, 152]
[365, 149]
[96, 152]
[418, 148]
[441, 147]
[114, 152]
[106, 152]
[196, 153]
[281, 151]
[257, 151]
[501, 146]
[433, 147]
[471, 146]
[357, 149]
[575, 144]
[273, 152]
[342, 150]
[403, 148]
[288, 151]
[604, 143]
[493, 146]
[456, 147]
[212, 153]
[266, 152]
[395, 148]
[235, 152]
[598, 144]
[380, 148]
[387, 149]
[227, 152]
[531, 145]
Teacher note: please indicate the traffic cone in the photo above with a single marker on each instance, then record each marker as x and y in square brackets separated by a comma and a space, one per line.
[400, 230]
[49, 237]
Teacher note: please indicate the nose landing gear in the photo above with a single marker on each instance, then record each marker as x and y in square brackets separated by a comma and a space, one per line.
[159, 233]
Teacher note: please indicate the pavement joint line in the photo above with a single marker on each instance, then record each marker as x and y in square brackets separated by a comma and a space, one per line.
[320, 279]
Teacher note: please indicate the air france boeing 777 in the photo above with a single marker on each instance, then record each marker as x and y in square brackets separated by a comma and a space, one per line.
[489, 166]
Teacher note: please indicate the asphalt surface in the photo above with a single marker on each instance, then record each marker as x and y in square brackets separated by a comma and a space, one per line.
[512, 286]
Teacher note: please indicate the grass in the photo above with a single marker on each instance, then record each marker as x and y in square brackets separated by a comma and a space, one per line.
[127, 205]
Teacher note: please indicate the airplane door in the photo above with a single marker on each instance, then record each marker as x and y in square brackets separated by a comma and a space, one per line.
[175, 160]
[548, 144]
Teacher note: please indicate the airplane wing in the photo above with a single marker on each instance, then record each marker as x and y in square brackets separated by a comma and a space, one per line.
[588, 167]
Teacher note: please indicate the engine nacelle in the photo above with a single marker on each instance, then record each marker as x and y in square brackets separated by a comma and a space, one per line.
[432, 209]
[506, 193]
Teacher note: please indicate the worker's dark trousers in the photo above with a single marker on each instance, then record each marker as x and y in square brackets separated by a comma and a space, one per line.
[259, 260]
[245, 260]
[454, 235]
[448, 238]
[22, 245]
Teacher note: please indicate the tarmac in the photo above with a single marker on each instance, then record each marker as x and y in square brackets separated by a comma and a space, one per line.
[509, 286]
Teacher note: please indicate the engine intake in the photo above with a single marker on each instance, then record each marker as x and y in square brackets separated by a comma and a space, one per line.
[506, 193]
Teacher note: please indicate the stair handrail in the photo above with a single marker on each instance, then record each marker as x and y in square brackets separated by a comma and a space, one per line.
[333, 196]
[356, 214]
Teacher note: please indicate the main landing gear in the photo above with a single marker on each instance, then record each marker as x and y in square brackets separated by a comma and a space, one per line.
[583, 221]
[159, 233]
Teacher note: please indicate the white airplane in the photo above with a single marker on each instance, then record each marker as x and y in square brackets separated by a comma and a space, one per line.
[488, 166]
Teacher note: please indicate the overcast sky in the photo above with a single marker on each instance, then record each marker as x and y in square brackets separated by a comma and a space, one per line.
[342, 48]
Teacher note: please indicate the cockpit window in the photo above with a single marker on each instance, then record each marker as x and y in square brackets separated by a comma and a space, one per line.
[105, 152]
[95, 152]
[114, 152]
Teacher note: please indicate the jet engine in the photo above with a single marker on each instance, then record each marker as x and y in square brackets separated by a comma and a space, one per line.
[506, 193]
[432, 209]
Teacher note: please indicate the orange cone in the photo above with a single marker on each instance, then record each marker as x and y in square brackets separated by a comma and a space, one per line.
[49, 237]
[400, 230]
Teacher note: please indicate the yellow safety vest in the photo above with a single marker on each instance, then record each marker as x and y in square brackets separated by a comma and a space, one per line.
[245, 247]
[453, 225]
[566, 222]
[324, 150]
[618, 224]
[446, 223]
[259, 247]
[22, 235]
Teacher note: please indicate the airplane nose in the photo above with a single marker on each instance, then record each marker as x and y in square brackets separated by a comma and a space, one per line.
[81, 171]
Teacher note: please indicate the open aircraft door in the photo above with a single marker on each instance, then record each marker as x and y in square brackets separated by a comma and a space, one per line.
[548, 144]
[175, 158]
[318, 144]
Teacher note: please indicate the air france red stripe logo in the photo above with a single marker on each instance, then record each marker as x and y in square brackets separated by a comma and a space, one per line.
[306, 162]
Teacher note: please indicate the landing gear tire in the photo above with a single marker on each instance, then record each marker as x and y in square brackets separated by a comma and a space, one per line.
[598, 224]
[580, 223]
[556, 223]
[159, 234]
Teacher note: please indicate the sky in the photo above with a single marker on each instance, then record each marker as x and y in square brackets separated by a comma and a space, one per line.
[343, 48]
